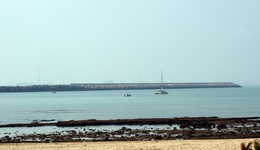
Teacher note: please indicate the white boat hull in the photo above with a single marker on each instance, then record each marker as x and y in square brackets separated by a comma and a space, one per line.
[161, 92]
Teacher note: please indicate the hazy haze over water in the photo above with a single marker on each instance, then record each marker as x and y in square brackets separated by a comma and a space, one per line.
[63, 41]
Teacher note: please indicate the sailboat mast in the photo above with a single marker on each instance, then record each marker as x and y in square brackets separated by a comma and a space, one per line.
[161, 91]
[161, 80]
[161, 77]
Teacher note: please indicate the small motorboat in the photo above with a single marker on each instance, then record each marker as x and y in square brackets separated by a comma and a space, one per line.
[127, 95]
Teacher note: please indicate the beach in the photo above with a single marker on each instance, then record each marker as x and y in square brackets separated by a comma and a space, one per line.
[228, 144]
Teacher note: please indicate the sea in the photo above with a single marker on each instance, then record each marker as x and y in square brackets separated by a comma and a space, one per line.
[83, 105]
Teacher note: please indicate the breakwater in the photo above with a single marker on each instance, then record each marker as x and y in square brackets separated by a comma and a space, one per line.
[114, 86]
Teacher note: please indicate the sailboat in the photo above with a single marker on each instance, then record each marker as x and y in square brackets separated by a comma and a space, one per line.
[161, 91]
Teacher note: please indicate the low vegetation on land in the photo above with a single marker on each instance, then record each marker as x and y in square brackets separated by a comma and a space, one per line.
[248, 146]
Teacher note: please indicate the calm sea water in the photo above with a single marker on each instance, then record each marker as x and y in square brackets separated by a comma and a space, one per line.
[222, 102]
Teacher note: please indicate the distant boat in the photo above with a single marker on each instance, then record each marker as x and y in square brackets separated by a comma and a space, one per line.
[53, 92]
[161, 91]
[127, 95]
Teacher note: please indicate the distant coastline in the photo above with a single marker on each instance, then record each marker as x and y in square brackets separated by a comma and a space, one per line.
[114, 86]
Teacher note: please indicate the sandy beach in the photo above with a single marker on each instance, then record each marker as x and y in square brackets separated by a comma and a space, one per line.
[228, 144]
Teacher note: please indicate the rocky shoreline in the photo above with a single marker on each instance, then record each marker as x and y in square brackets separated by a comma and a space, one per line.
[170, 129]
[114, 86]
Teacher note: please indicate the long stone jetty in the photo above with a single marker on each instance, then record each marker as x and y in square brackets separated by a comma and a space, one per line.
[114, 86]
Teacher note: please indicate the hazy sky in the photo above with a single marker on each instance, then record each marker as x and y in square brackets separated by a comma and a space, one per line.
[89, 41]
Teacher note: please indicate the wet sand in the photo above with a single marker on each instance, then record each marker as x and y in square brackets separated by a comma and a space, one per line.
[230, 144]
